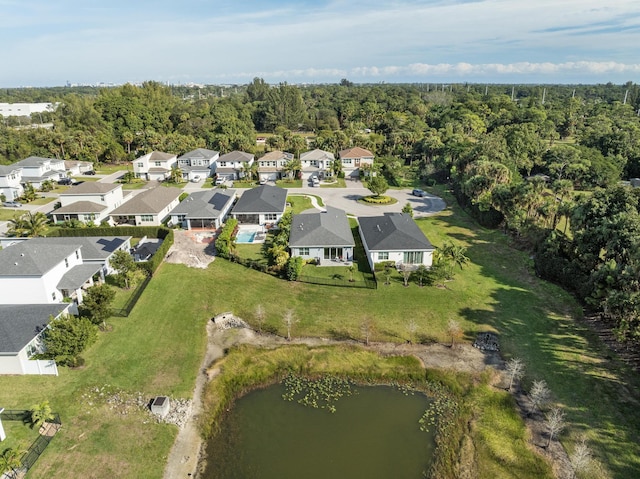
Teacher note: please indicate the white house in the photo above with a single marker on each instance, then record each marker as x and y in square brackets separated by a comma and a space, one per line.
[89, 202]
[353, 159]
[148, 208]
[25, 109]
[322, 235]
[316, 163]
[272, 164]
[11, 182]
[203, 209]
[262, 206]
[394, 237]
[75, 168]
[199, 162]
[154, 166]
[232, 166]
[21, 328]
[33, 272]
[37, 170]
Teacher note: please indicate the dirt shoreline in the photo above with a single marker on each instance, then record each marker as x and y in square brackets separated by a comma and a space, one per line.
[185, 454]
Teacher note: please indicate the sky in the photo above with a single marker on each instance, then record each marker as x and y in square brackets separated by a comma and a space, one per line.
[50, 43]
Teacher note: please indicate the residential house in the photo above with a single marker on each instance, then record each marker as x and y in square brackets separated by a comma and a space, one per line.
[233, 166]
[395, 237]
[322, 235]
[154, 166]
[148, 208]
[95, 249]
[37, 170]
[262, 206]
[316, 163]
[89, 202]
[11, 182]
[198, 163]
[34, 272]
[353, 159]
[272, 165]
[203, 209]
[75, 168]
[21, 328]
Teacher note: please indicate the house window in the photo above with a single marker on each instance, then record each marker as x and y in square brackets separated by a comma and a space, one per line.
[102, 198]
[77, 254]
[53, 295]
[346, 161]
[140, 165]
[413, 257]
[271, 217]
[66, 262]
[146, 218]
[383, 255]
[304, 251]
[222, 163]
[157, 163]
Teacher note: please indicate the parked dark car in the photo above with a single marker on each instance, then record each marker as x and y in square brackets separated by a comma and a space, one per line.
[419, 193]
[90, 173]
[65, 181]
[12, 204]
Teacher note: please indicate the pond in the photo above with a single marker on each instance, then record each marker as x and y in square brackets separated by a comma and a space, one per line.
[372, 433]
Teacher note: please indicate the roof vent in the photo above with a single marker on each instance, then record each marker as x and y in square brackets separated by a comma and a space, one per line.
[21, 254]
[15, 264]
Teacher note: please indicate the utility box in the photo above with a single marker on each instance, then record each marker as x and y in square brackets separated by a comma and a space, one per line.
[160, 406]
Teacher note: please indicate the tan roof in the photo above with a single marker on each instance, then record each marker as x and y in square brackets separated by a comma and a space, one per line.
[148, 202]
[316, 154]
[160, 156]
[355, 152]
[91, 187]
[276, 155]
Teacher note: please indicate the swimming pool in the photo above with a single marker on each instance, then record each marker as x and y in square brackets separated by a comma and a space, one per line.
[245, 236]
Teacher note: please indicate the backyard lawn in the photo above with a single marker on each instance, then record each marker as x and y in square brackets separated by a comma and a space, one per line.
[7, 214]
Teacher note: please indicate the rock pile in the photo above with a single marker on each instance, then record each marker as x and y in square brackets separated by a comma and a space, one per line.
[227, 321]
[486, 342]
[178, 413]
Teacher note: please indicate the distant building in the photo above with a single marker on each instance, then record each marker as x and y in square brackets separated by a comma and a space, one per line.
[25, 109]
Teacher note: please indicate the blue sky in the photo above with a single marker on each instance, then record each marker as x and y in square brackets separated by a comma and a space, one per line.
[214, 41]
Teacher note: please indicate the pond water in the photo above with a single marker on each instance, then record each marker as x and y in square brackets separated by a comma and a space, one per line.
[373, 434]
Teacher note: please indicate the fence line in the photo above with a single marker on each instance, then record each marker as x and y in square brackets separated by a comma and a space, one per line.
[131, 302]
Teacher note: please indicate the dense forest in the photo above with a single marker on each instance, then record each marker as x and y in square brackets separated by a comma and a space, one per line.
[544, 163]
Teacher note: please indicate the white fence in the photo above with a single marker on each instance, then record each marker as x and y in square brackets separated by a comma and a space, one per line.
[41, 366]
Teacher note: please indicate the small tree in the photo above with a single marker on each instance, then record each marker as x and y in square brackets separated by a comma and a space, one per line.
[406, 270]
[367, 327]
[515, 369]
[66, 338]
[10, 462]
[124, 264]
[454, 330]
[555, 423]
[294, 268]
[289, 320]
[261, 316]
[352, 269]
[408, 209]
[377, 185]
[40, 413]
[540, 395]
[387, 275]
[176, 175]
[580, 458]
[96, 306]
[421, 274]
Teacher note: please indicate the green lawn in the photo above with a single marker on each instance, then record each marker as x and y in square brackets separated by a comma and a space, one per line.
[107, 169]
[7, 214]
[299, 203]
[20, 435]
[339, 183]
[43, 200]
[289, 183]
[134, 186]
[86, 178]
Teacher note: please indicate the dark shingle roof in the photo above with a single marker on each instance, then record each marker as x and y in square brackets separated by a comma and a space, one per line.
[91, 188]
[80, 207]
[326, 228]
[204, 204]
[151, 201]
[393, 232]
[78, 275]
[33, 259]
[94, 248]
[20, 323]
[263, 199]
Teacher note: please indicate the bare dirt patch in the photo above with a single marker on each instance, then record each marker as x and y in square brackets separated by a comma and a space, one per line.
[193, 249]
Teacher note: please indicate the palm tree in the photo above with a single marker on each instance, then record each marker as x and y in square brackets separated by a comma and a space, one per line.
[16, 225]
[40, 413]
[34, 224]
[176, 174]
[10, 462]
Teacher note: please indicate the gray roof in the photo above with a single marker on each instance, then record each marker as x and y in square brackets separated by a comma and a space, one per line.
[200, 153]
[160, 156]
[45, 176]
[91, 187]
[20, 323]
[326, 228]
[78, 275]
[34, 161]
[94, 248]
[80, 207]
[236, 156]
[276, 155]
[393, 232]
[205, 204]
[33, 259]
[316, 154]
[263, 199]
[151, 201]
[8, 169]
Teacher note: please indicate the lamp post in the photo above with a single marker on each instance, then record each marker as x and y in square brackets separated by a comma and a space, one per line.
[3, 436]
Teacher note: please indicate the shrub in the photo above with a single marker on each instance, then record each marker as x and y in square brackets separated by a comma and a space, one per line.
[378, 200]
[224, 241]
[66, 338]
[294, 268]
[183, 196]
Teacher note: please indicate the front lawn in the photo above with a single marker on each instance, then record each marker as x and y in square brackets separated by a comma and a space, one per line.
[134, 186]
[286, 183]
[7, 214]
[299, 203]
[43, 200]
[334, 183]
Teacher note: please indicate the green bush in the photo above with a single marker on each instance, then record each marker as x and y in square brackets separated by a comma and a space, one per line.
[224, 240]
[377, 267]
[294, 268]
[183, 196]
[378, 200]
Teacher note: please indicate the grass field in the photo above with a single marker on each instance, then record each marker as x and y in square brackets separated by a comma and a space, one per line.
[157, 350]
[289, 183]
[43, 200]
[7, 214]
